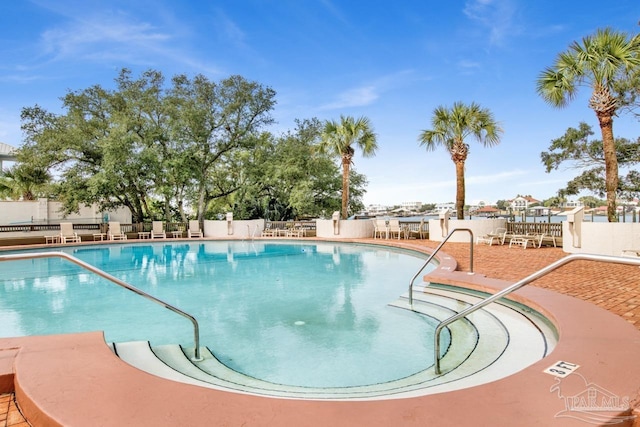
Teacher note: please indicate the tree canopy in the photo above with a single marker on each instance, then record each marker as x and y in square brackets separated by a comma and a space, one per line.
[600, 61]
[191, 146]
[576, 149]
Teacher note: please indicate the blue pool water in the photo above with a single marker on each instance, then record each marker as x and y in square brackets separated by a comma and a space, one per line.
[306, 314]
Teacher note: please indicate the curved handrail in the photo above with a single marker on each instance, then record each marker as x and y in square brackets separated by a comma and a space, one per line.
[542, 272]
[433, 254]
[196, 328]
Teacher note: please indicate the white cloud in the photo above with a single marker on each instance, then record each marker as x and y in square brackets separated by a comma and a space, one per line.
[106, 36]
[495, 15]
[356, 97]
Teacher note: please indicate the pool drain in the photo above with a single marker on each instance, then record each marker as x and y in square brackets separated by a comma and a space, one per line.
[299, 323]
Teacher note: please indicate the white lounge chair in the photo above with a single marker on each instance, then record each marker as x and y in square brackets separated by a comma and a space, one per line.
[394, 228]
[497, 236]
[67, 235]
[269, 231]
[194, 229]
[380, 227]
[422, 231]
[115, 233]
[535, 240]
[157, 231]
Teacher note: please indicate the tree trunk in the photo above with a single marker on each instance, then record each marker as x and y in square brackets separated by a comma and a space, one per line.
[346, 163]
[611, 163]
[460, 189]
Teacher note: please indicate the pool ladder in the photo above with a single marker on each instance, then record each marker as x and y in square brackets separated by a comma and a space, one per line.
[538, 274]
[196, 329]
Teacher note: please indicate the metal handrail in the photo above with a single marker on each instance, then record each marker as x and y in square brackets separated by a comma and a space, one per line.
[542, 272]
[433, 254]
[196, 328]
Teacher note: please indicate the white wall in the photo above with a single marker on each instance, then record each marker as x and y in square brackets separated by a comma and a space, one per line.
[602, 238]
[233, 229]
[344, 228]
[42, 211]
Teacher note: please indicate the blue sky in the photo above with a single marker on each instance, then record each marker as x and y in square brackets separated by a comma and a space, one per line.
[393, 62]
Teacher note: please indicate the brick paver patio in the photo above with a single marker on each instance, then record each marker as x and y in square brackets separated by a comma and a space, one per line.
[615, 287]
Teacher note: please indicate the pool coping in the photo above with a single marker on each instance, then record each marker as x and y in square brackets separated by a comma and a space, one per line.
[76, 379]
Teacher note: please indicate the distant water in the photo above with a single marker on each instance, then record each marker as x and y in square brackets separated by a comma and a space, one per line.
[553, 218]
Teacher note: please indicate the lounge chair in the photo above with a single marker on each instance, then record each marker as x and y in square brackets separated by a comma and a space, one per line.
[394, 228]
[295, 231]
[194, 229]
[380, 227]
[67, 235]
[115, 233]
[157, 232]
[421, 232]
[535, 240]
[269, 231]
[497, 236]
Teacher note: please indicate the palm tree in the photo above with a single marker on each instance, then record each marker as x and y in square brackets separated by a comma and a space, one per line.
[597, 62]
[451, 127]
[23, 182]
[340, 138]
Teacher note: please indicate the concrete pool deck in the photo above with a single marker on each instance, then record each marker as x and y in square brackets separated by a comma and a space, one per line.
[76, 380]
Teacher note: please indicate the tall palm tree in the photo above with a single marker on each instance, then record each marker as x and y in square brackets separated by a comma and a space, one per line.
[597, 62]
[339, 138]
[451, 127]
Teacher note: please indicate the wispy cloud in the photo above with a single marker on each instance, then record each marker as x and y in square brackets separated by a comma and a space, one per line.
[497, 16]
[356, 97]
[109, 36]
[229, 30]
[111, 33]
[366, 94]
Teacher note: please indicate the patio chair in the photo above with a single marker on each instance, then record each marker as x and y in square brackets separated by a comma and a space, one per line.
[67, 235]
[497, 236]
[394, 228]
[269, 230]
[421, 232]
[157, 232]
[295, 231]
[115, 233]
[380, 227]
[194, 229]
[535, 240]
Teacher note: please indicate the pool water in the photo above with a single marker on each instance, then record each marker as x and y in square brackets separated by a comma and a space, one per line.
[305, 314]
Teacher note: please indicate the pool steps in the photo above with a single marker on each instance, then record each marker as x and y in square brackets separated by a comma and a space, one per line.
[492, 343]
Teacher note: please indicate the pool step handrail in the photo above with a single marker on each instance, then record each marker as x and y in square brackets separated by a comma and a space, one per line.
[542, 272]
[196, 329]
[433, 254]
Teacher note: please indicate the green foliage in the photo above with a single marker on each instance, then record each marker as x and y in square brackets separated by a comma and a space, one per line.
[141, 141]
[289, 178]
[592, 202]
[577, 150]
[24, 181]
[196, 145]
[606, 62]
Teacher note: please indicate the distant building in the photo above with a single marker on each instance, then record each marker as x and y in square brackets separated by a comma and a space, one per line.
[479, 204]
[571, 204]
[411, 206]
[523, 203]
[377, 209]
[444, 206]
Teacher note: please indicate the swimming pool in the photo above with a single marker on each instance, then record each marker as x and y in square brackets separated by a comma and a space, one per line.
[304, 314]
